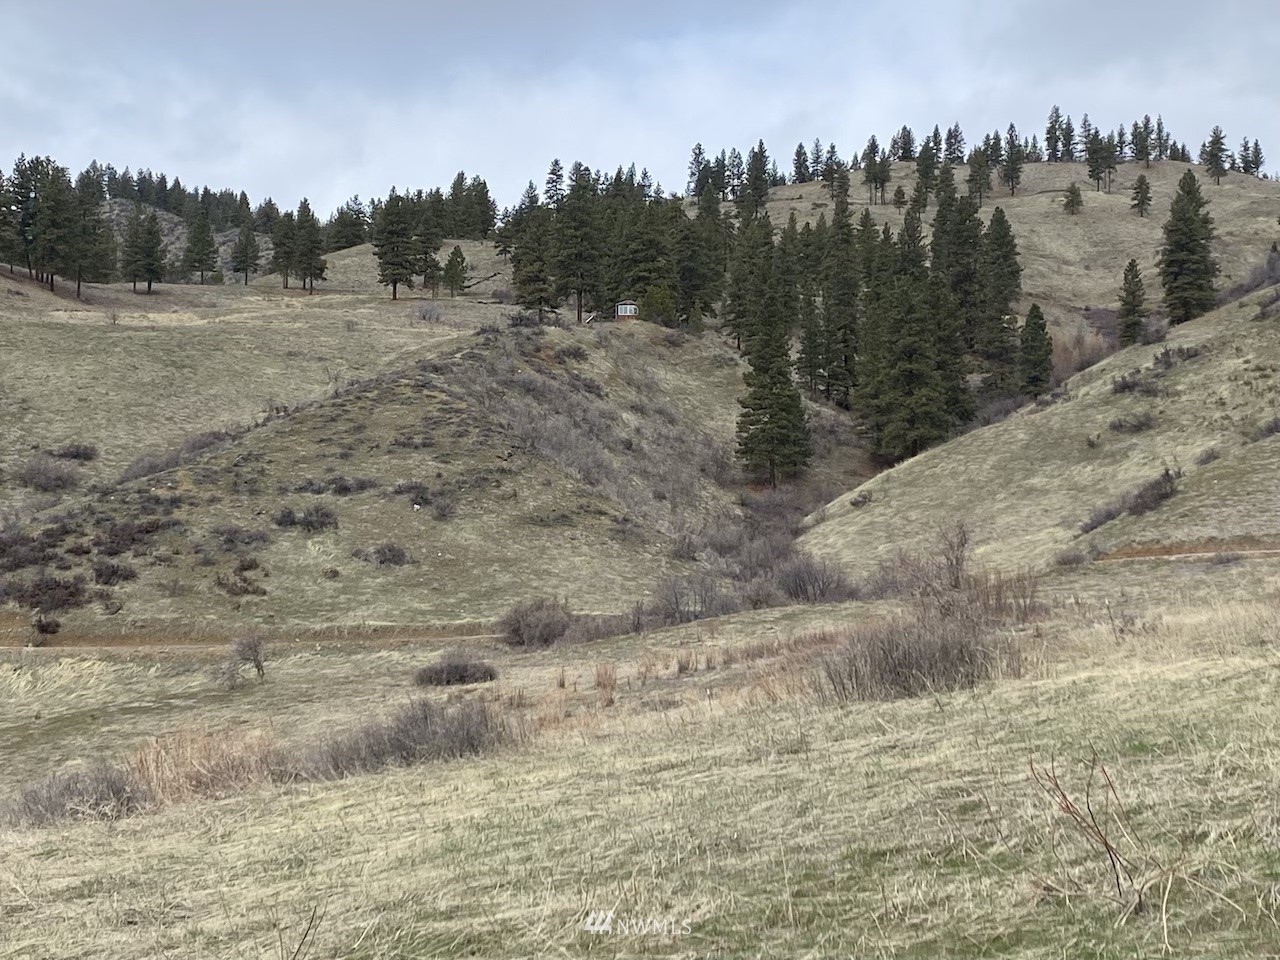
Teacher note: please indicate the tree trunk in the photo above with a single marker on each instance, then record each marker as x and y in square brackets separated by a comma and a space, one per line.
[393, 290]
[135, 284]
[579, 308]
[202, 278]
[78, 277]
[148, 286]
[246, 278]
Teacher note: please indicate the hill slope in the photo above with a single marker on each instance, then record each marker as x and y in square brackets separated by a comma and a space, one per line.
[1070, 263]
[1026, 485]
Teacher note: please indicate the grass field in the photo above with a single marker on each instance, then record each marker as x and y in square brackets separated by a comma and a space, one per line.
[737, 804]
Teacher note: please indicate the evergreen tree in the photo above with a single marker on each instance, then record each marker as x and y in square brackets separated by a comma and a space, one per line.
[53, 237]
[9, 246]
[756, 188]
[953, 151]
[1256, 159]
[1133, 315]
[800, 165]
[93, 247]
[1187, 264]
[284, 246]
[201, 254]
[348, 227]
[810, 366]
[1160, 145]
[1011, 172]
[1067, 139]
[245, 255]
[1074, 202]
[1141, 136]
[307, 261]
[1141, 195]
[1002, 274]
[773, 434]
[132, 255]
[1035, 353]
[1053, 136]
[531, 264]
[815, 160]
[152, 259]
[697, 164]
[393, 244]
[927, 165]
[979, 179]
[578, 238]
[554, 194]
[455, 272]
[1215, 156]
[900, 195]
[840, 288]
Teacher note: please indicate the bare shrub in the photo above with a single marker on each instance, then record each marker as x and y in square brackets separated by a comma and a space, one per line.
[536, 623]
[1226, 558]
[444, 506]
[250, 651]
[45, 593]
[421, 732]
[910, 656]
[1142, 500]
[1268, 428]
[232, 536]
[571, 352]
[606, 683]
[1135, 382]
[1071, 558]
[384, 555]
[83, 452]
[1138, 423]
[108, 573]
[1207, 456]
[46, 475]
[1078, 351]
[686, 599]
[455, 669]
[97, 792]
[807, 580]
[426, 313]
[158, 461]
[317, 518]
[503, 295]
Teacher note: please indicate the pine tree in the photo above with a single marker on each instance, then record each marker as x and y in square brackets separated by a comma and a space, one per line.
[953, 151]
[1187, 264]
[1053, 136]
[773, 433]
[800, 165]
[1067, 139]
[201, 254]
[1002, 275]
[307, 261]
[554, 194]
[1215, 157]
[393, 244]
[531, 264]
[132, 254]
[1141, 195]
[93, 248]
[1074, 202]
[979, 179]
[455, 272]
[1011, 173]
[152, 250]
[815, 160]
[900, 195]
[578, 238]
[53, 228]
[927, 165]
[283, 246]
[1132, 303]
[810, 364]
[1160, 145]
[1256, 159]
[697, 164]
[1035, 353]
[245, 255]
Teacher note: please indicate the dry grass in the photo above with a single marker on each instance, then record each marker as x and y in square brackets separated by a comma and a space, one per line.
[775, 826]
[1048, 468]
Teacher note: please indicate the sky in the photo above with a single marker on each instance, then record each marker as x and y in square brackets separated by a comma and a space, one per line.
[326, 100]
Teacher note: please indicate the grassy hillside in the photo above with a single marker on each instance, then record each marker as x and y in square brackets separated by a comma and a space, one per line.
[1026, 485]
[1070, 263]
[174, 232]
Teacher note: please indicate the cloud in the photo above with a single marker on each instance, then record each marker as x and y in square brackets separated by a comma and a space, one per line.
[328, 100]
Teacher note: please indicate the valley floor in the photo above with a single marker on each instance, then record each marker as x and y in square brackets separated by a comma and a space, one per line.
[728, 808]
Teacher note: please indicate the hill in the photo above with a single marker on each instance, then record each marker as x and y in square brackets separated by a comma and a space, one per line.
[174, 232]
[1073, 263]
[1203, 404]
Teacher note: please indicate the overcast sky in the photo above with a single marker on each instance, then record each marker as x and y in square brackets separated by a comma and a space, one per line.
[329, 99]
